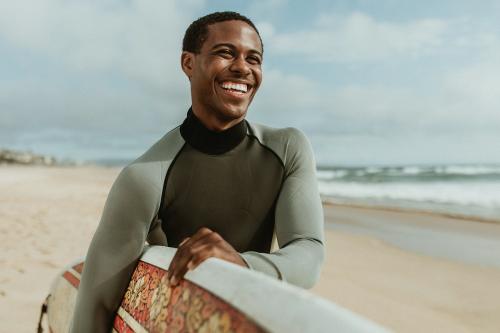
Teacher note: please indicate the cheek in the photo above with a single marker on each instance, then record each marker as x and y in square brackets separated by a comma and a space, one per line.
[214, 67]
[258, 77]
[203, 82]
[209, 80]
[203, 71]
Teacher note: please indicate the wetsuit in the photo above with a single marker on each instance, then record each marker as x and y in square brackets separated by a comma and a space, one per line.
[245, 183]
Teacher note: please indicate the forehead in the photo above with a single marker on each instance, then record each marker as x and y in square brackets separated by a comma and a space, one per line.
[235, 32]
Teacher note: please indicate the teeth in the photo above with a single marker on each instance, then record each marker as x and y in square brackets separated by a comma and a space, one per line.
[235, 86]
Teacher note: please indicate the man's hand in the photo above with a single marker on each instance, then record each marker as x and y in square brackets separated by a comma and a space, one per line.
[193, 250]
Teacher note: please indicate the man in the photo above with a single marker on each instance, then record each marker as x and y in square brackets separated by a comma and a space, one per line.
[216, 186]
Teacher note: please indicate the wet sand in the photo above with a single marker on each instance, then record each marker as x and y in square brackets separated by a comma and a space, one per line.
[48, 216]
[403, 289]
[442, 236]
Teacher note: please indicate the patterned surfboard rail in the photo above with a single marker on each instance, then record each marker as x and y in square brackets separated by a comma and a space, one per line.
[215, 297]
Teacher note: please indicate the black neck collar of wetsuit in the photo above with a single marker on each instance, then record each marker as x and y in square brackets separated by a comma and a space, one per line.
[211, 142]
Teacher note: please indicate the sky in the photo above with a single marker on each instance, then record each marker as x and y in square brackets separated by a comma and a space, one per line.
[369, 82]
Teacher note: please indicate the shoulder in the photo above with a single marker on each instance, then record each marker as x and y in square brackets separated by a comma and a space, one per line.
[269, 134]
[290, 144]
[150, 168]
[164, 149]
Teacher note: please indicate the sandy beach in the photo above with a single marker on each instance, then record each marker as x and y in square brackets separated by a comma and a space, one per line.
[411, 272]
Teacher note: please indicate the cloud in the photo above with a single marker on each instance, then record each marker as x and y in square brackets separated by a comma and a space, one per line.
[359, 37]
[476, 86]
[138, 39]
[270, 9]
[292, 100]
[461, 102]
[468, 92]
[111, 65]
[286, 99]
[458, 95]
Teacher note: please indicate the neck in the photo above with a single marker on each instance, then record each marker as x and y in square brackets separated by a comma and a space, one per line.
[211, 142]
[213, 121]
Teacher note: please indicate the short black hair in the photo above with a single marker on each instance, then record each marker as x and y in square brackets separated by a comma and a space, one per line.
[197, 32]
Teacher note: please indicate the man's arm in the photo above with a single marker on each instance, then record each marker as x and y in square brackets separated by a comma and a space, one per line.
[115, 248]
[299, 221]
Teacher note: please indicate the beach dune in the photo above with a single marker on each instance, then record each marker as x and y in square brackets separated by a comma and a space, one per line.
[48, 216]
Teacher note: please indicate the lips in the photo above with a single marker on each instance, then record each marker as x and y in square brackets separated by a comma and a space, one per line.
[228, 85]
[235, 88]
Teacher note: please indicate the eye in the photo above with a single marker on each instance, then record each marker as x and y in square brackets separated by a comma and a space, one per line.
[226, 53]
[254, 60]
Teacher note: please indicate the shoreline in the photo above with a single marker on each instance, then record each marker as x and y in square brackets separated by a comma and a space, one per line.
[330, 202]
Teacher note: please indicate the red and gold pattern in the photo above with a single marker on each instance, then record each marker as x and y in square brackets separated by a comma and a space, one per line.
[185, 308]
[121, 326]
[150, 305]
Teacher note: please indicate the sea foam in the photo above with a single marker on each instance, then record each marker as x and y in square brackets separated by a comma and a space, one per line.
[460, 189]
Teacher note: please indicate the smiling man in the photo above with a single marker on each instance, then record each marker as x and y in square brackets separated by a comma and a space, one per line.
[215, 186]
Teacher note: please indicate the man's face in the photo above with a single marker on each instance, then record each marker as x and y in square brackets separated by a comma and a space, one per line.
[227, 72]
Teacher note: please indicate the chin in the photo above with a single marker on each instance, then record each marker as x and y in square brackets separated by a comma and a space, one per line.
[231, 113]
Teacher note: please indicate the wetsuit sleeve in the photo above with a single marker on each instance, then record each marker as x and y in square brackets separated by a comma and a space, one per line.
[299, 221]
[115, 249]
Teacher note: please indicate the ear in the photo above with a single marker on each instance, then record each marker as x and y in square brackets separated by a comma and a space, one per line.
[187, 63]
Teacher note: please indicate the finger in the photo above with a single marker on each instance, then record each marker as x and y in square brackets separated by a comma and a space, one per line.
[178, 265]
[182, 264]
[212, 238]
[209, 251]
[200, 234]
[184, 241]
[213, 246]
[174, 263]
[218, 249]
[210, 242]
[180, 256]
[177, 253]
[178, 275]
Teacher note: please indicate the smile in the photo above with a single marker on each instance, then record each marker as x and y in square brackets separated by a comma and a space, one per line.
[234, 87]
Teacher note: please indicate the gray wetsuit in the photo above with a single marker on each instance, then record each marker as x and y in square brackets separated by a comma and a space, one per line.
[246, 183]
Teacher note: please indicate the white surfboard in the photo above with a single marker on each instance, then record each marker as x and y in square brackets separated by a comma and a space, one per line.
[215, 297]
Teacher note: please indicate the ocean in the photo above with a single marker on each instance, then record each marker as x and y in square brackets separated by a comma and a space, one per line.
[461, 190]
[471, 191]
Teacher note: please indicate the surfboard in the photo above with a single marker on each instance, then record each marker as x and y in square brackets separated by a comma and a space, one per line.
[215, 297]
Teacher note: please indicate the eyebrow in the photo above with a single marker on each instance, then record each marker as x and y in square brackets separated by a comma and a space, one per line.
[231, 46]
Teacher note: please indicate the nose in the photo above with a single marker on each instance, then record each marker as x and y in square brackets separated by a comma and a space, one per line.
[240, 66]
